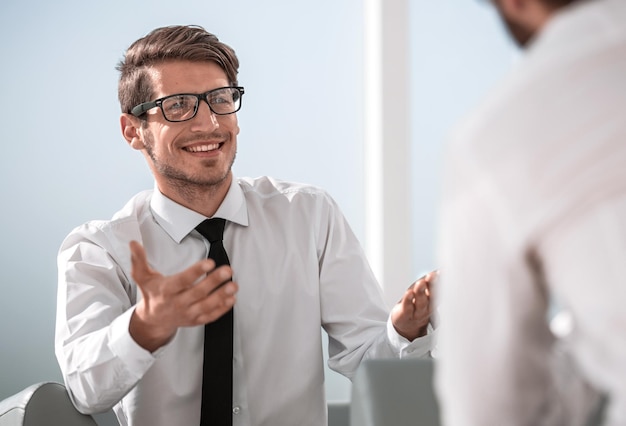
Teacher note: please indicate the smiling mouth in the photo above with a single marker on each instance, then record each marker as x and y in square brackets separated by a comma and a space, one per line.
[203, 148]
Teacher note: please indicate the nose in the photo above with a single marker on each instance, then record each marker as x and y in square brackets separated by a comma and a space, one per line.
[205, 119]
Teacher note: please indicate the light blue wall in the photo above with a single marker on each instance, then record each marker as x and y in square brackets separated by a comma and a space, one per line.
[459, 51]
[64, 161]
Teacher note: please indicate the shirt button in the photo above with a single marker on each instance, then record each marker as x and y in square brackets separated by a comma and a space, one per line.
[236, 410]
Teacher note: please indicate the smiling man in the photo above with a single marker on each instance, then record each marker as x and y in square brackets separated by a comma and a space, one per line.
[148, 325]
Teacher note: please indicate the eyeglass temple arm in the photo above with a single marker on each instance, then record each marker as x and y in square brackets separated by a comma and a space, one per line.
[141, 109]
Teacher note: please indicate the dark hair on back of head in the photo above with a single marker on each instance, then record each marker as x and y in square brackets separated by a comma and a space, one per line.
[556, 4]
[181, 43]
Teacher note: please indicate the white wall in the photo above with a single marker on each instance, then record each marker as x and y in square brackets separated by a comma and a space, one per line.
[64, 162]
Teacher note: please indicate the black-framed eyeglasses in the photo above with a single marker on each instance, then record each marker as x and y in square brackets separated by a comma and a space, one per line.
[184, 106]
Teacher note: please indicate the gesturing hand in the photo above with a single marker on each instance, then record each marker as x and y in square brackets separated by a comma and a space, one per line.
[189, 298]
[410, 316]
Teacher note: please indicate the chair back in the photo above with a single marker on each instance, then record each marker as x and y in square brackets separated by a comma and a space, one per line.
[42, 404]
[396, 392]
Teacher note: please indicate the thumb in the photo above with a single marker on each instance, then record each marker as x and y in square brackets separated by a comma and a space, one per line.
[140, 270]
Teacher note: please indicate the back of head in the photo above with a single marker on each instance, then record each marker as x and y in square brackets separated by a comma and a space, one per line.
[555, 4]
[524, 19]
[172, 43]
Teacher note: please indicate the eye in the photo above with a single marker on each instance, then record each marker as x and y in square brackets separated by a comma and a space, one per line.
[178, 103]
[221, 101]
[220, 98]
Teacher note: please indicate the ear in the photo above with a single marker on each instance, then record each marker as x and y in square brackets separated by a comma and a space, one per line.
[131, 130]
[511, 7]
[530, 13]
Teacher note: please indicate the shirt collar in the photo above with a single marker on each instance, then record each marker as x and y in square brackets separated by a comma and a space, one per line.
[178, 220]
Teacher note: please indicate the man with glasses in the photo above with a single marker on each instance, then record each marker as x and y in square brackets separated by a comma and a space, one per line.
[136, 292]
[533, 222]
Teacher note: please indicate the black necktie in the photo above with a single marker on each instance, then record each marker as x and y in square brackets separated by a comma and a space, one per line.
[217, 371]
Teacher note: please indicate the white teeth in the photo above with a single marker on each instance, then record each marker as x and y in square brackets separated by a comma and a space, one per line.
[203, 148]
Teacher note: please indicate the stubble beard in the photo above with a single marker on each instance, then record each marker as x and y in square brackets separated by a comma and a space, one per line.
[187, 185]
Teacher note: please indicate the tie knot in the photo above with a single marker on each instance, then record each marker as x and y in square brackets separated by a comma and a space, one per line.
[212, 229]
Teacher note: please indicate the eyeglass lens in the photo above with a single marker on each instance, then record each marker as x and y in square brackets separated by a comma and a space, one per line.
[184, 107]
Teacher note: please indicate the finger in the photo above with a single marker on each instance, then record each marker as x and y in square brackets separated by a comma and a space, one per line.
[206, 317]
[421, 313]
[140, 270]
[432, 282]
[215, 278]
[408, 301]
[432, 275]
[421, 297]
[420, 286]
[213, 306]
[204, 288]
[222, 275]
[192, 276]
[416, 282]
[196, 307]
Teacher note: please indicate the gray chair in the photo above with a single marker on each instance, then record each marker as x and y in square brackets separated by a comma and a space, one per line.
[48, 403]
[41, 404]
[394, 392]
[338, 413]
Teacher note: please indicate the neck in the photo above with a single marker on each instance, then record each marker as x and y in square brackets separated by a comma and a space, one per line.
[201, 198]
[524, 18]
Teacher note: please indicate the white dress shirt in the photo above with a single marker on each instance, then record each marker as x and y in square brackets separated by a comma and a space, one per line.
[299, 267]
[534, 213]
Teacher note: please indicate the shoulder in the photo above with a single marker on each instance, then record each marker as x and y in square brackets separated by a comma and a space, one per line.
[125, 225]
[268, 187]
[268, 197]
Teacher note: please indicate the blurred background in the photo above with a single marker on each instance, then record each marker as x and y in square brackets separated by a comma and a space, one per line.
[64, 161]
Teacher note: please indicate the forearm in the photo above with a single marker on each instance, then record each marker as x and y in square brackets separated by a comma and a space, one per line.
[147, 335]
[101, 367]
[345, 354]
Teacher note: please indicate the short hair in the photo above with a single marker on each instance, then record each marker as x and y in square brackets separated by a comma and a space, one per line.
[556, 4]
[179, 42]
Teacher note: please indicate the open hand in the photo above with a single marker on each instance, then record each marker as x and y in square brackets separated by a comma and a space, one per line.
[411, 315]
[192, 297]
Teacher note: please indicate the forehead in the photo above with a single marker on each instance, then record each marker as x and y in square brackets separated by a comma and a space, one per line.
[186, 77]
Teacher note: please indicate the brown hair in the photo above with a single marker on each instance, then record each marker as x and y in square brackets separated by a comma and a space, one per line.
[555, 4]
[181, 42]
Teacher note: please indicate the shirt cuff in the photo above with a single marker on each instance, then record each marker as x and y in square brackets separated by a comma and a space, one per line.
[123, 346]
[418, 348]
